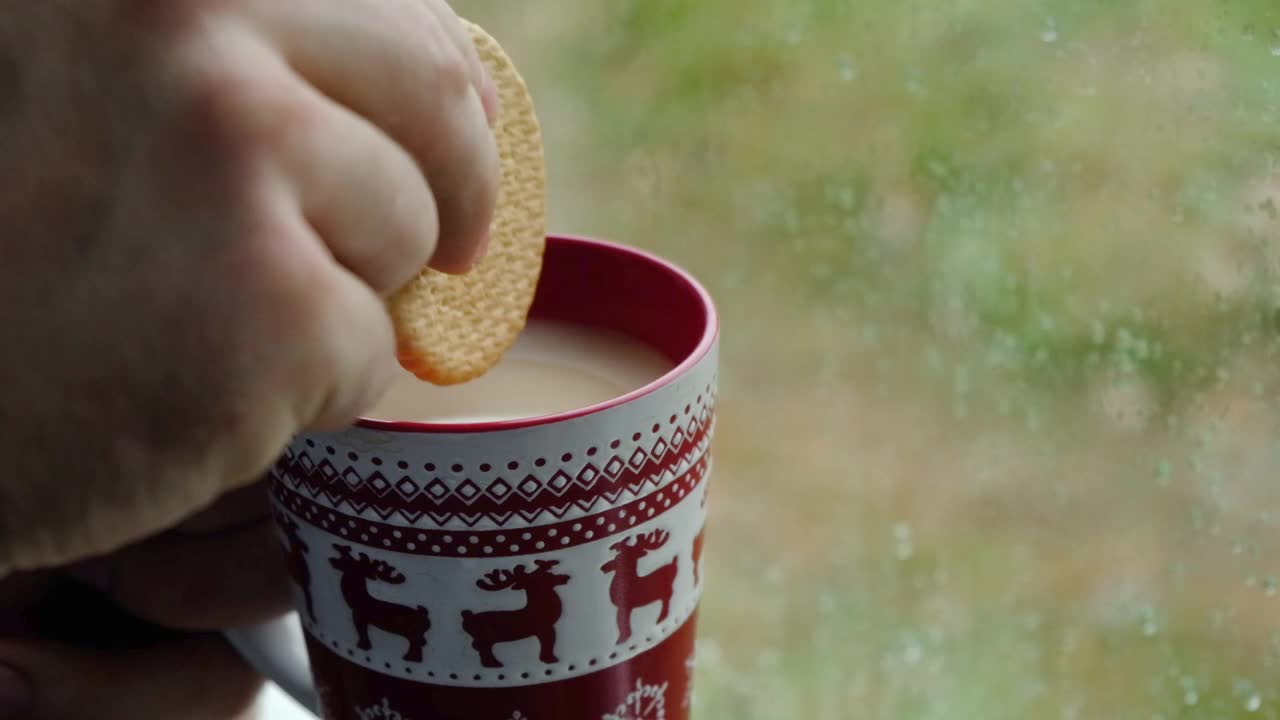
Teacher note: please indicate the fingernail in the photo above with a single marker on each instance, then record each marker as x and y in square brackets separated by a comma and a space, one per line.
[489, 98]
[16, 697]
[481, 250]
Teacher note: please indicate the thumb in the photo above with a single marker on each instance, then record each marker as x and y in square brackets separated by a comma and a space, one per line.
[195, 677]
[17, 699]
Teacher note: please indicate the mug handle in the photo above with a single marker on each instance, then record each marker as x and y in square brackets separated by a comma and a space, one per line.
[275, 650]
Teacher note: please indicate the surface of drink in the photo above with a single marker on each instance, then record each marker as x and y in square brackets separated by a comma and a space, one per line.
[554, 367]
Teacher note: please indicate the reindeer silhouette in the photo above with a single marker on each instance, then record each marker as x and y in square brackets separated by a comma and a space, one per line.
[296, 557]
[697, 555]
[629, 590]
[537, 618]
[411, 623]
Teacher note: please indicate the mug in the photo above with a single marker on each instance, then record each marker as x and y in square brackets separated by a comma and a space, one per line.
[546, 568]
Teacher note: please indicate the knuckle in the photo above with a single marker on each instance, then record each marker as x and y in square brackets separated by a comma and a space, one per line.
[282, 276]
[240, 101]
[296, 288]
[215, 97]
[335, 330]
[452, 70]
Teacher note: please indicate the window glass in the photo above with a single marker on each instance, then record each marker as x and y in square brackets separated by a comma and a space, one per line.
[1001, 387]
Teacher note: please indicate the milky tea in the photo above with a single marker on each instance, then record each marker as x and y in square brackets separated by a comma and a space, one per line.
[545, 569]
[554, 367]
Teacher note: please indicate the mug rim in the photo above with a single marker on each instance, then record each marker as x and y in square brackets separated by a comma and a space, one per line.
[710, 333]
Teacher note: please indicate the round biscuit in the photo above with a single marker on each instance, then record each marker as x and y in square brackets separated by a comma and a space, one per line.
[453, 328]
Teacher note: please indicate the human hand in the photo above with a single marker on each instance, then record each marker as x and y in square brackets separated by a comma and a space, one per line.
[203, 208]
[127, 636]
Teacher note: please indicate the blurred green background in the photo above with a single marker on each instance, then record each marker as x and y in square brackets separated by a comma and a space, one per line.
[1000, 390]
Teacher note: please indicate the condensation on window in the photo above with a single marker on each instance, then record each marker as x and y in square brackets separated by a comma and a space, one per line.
[1000, 393]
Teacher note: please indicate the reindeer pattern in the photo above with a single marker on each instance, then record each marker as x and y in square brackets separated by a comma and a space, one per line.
[411, 623]
[296, 551]
[537, 618]
[506, 614]
[631, 590]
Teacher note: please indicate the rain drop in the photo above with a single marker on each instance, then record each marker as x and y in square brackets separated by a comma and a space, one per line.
[1050, 33]
[848, 71]
[1149, 625]
[904, 548]
[912, 654]
[1163, 471]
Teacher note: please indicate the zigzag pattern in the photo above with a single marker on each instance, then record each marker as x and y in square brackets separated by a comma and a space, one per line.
[553, 491]
[496, 542]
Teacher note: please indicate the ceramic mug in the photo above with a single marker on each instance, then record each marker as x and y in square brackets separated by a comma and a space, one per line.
[537, 569]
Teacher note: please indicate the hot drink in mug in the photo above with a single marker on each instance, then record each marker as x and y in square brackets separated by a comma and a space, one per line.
[525, 546]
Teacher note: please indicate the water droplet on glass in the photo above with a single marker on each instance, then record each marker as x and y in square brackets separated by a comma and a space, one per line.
[1050, 32]
[916, 88]
[912, 654]
[845, 197]
[1163, 472]
[848, 71]
[1098, 332]
[903, 546]
[1149, 625]
[775, 575]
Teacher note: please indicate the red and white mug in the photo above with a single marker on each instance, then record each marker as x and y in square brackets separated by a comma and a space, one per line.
[538, 569]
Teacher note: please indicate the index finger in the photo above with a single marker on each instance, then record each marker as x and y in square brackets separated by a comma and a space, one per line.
[480, 77]
[398, 66]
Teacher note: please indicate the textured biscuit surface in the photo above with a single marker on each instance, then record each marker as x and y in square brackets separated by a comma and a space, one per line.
[454, 328]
